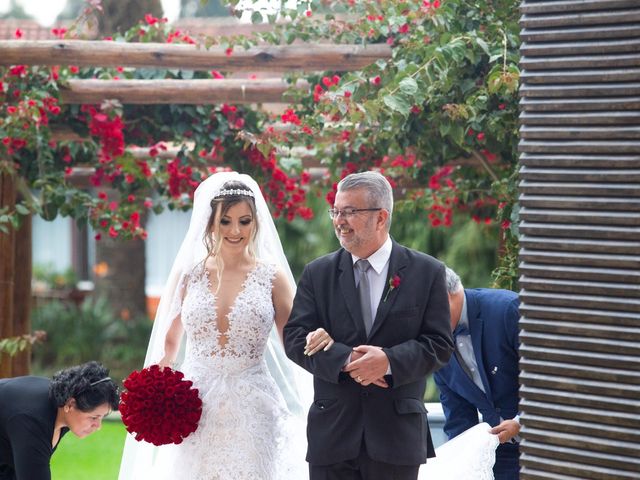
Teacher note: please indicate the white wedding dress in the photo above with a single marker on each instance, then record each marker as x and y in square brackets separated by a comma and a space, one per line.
[246, 430]
[469, 456]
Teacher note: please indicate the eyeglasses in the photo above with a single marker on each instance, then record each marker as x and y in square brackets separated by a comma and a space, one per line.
[350, 212]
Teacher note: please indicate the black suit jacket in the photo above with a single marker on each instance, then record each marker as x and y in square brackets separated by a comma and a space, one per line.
[412, 326]
[27, 421]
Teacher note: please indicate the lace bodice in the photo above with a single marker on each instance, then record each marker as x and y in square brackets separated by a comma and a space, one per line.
[250, 318]
[245, 431]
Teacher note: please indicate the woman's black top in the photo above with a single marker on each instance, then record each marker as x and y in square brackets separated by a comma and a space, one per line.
[27, 420]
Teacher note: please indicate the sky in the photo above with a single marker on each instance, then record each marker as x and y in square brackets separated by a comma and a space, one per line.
[46, 11]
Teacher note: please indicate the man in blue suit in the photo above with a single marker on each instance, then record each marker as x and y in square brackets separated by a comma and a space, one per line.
[482, 375]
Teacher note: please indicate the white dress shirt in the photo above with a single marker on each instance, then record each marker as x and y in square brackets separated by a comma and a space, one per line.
[377, 274]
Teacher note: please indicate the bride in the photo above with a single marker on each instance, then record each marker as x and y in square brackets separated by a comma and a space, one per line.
[229, 286]
[229, 293]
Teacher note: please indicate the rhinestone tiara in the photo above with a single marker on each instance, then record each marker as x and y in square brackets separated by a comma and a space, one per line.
[233, 191]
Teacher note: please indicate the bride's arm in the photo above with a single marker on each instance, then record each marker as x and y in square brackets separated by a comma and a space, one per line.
[172, 343]
[174, 333]
[282, 297]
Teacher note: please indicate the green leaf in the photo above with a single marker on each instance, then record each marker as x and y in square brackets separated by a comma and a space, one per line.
[264, 148]
[457, 133]
[21, 209]
[49, 212]
[483, 45]
[408, 86]
[397, 103]
[256, 17]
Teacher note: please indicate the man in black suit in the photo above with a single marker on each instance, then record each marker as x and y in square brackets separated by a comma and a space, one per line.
[385, 314]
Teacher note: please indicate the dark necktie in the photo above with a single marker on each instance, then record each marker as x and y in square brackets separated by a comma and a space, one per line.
[364, 293]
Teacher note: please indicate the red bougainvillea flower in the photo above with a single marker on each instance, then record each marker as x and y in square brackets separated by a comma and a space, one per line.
[160, 406]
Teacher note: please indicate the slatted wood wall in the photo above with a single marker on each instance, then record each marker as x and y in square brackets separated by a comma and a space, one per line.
[580, 239]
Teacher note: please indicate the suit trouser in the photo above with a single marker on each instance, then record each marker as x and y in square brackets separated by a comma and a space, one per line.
[507, 462]
[363, 468]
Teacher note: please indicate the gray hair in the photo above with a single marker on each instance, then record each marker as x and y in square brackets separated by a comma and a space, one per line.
[454, 284]
[378, 189]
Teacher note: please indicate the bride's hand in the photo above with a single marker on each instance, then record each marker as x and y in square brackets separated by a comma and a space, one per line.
[318, 340]
[165, 363]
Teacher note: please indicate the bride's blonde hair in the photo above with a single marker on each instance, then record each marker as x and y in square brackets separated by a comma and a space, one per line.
[232, 193]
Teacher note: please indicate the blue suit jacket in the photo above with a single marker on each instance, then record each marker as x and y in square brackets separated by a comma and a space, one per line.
[493, 324]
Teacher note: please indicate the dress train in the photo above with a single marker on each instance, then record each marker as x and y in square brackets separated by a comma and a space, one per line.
[469, 456]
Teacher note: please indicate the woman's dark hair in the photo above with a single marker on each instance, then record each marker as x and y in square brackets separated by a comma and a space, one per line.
[89, 384]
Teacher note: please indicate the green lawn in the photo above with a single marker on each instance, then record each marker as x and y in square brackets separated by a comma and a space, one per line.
[96, 457]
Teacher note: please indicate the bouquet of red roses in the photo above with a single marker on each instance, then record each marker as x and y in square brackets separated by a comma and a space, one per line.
[160, 406]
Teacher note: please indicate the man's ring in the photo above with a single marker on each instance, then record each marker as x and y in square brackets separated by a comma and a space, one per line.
[359, 379]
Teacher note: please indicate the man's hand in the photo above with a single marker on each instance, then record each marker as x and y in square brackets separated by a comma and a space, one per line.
[506, 430]
[368, 365]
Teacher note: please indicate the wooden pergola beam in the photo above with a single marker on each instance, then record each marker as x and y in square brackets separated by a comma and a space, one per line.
[198, 92]
[278, 58]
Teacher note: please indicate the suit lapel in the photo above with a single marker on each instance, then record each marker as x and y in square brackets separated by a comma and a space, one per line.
[397, 263]
[476, 329]
[467, 388]
[349, 293]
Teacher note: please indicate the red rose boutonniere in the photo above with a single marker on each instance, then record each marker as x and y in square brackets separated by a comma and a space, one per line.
[394, 282]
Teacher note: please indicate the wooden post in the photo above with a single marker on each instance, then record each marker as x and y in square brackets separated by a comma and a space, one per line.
[7, 242]
[22, 294]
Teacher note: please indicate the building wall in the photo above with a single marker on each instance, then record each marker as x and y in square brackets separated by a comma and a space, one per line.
[580, 239]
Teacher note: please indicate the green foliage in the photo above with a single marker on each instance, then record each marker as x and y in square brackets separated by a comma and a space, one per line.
[305, 240]
[438, 117]
[431, 393]
[471, 252]
[467, 247]
[49, 277]
[206, 138]
[13, 345]
[91, 331]
[446, 99]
